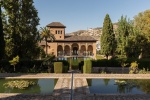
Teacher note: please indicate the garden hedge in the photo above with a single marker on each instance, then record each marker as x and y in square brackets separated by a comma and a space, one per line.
[87, 67]
[37, 66]
[65, 69]
[58, 67]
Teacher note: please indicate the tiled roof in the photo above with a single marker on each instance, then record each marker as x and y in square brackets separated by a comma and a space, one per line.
[78, 38]
[74, 39]
[56, 24]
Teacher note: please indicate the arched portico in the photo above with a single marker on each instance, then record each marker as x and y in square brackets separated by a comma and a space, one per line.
[75, 48]
[90, 50]
[59, 50]
[79, 49]
[67, 50]
[83, 50]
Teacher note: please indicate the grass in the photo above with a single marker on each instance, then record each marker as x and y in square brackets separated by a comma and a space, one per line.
[99, 57]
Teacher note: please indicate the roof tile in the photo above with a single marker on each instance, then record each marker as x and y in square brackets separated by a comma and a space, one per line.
[56, 24]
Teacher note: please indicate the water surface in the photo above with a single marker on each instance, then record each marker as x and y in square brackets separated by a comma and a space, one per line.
[43, 86]
[110, 86]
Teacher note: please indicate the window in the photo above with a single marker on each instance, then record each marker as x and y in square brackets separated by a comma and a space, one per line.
[60, 36]
[60, 32]
[56, 31]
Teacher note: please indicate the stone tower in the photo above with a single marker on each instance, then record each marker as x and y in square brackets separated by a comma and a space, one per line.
[58, 29]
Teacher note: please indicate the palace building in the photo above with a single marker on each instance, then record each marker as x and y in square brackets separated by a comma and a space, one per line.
[66, 45]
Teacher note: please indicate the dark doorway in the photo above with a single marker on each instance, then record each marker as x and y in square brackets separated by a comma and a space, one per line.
[75, 51]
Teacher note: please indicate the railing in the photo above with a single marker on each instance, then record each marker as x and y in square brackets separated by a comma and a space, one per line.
[80, 54]
[71, 97]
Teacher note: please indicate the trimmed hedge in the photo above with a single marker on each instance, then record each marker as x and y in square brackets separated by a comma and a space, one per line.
[75, 64]
[143, 63]
[87, 67]
[30, 66]
[65, 63]
[24, 66]
[58, 67]
[38, 66]
[105, 63]
[5, 66]
[81, 65]
[65, 69]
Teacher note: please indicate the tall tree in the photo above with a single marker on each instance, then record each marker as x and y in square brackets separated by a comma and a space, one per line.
[107, 37]
[47, 35]
[2, 42]
[22, 18]
[142, 23]
[124, 30]
[137, 46]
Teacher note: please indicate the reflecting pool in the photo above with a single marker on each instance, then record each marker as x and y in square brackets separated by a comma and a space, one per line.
[42, 86]
[119, 86]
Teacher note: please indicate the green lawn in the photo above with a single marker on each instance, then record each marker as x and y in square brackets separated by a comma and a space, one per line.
[99, 57]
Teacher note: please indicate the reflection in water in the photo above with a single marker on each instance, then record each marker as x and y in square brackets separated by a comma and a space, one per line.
[89, 81]
[106, 81]
[109, 86]
[43, 86]
[144, 85]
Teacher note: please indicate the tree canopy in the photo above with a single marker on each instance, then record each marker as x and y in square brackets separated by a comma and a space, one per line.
[2, 42]
[123, 32]
[20, 28]
[107, 37]
[142, 23]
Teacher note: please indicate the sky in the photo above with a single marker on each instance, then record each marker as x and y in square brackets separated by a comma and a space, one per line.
[84, 14]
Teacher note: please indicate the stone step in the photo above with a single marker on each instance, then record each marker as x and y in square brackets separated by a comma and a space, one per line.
[62, 87]
[81, 86]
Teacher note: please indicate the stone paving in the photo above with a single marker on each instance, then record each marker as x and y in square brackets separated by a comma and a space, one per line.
[33, 75]
[113, 76]
[62, 90]
[81, 86]
[63, 87]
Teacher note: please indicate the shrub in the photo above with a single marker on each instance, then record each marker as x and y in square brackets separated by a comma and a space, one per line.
[144, 63]
[65, 69]
[143, 71]
[23, 66]
[14, 61]
[31, 66]
[65, 63]
[87, 68]
[5, 66]
[105, 63]
[134, 68]
[75, 64]
[58, 67]
[81, 65]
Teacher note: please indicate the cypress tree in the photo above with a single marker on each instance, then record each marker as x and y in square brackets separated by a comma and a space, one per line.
[22, 18]
[107, 37]
[2, 42]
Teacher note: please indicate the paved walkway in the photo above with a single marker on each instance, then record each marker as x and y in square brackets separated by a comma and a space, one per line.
[62, 90]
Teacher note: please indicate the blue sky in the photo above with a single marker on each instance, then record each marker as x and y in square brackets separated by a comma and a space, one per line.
[84, 14]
